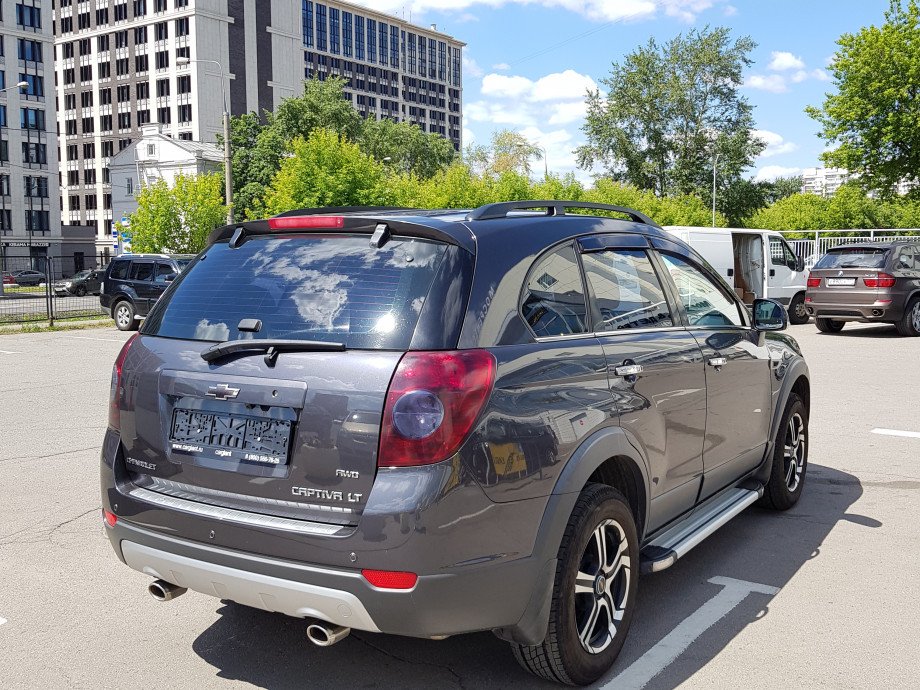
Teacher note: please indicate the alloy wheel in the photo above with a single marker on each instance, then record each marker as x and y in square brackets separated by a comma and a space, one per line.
[602, 586]
[915, 317]
[794, 451]
[122, 316]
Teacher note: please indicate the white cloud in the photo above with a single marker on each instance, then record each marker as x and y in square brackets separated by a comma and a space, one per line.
[774, 83]
[597, 10]
[470, 68]
[783, 60]
[730, 11]
[501, 67]
[548, 111]
[772, 172]
[776, 145]
[820, 75]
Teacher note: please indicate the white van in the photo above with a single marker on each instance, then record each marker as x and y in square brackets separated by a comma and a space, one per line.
[756, 263]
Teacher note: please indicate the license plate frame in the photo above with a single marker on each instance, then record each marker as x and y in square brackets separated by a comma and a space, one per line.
[231, 437]
[840, 282]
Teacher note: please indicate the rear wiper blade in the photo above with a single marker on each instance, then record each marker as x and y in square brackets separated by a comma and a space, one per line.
[271, 348]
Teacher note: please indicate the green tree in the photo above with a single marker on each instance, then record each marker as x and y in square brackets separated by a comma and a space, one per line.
[178, 219]
[407, 147]
[508, 151]
[327, 170]
[874, 117]
[670, 111]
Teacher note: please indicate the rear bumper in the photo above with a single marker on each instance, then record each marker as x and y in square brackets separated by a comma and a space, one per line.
[874, 312]
[489, 597]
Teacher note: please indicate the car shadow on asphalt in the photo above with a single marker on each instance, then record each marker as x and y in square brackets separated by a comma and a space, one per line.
[866, 331]
[760, 546]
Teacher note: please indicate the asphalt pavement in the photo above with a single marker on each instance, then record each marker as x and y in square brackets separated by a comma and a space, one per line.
[825, 595]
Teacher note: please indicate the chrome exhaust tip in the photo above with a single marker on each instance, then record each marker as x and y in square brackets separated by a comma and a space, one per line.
[326, 634]
[161, 590]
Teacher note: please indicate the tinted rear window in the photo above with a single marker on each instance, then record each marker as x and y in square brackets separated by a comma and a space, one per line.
[330, 288]
[853, 257]
[119, 269]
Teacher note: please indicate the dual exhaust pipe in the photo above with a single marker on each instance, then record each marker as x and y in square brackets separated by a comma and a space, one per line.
[320, 633]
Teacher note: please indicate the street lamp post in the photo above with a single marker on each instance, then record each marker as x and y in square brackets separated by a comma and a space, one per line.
[18, 85]
[715, 162]
[228, 169]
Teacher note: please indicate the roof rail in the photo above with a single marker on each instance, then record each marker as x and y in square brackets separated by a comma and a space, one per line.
[341, 209]
[553, 208]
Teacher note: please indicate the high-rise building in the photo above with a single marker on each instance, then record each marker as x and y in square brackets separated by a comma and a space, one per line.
[30, 211]
[123, 64]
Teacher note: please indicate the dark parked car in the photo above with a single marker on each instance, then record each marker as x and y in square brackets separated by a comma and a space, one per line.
[429, 423]
[27, 278]
[82, 283]
[872, 283]
[134, 282]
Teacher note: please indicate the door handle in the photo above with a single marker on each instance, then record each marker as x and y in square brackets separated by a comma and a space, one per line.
[717, 362]
[625, 370]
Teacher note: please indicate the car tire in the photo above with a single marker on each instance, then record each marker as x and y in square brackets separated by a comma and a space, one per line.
[790, 458]
[796, 309]
[829, 325]
[582, 641]
[123, 313]
[909, 324]
[80, 291]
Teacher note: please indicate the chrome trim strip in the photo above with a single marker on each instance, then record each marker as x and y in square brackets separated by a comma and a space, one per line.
[238, 516]
[199, 493]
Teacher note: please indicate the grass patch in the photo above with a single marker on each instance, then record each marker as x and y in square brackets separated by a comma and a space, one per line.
[20, 290]
[43, 327]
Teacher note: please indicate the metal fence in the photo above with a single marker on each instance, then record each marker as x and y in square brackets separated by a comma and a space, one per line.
[39, 289]
[811, 249]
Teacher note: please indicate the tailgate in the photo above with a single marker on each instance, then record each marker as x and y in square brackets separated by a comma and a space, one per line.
[298, 440]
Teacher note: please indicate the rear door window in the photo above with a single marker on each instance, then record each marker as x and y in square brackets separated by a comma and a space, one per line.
[141, 270]
[854, 257]
[164, 270]
[626, 289]
[554, 301]
[303, 287]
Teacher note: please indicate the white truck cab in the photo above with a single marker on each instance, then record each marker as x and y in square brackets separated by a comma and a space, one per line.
[756, 263]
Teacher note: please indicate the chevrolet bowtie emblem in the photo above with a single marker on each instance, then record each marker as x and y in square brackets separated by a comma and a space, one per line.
[223, 392]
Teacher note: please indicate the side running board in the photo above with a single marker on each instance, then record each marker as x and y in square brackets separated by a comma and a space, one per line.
[664, 551]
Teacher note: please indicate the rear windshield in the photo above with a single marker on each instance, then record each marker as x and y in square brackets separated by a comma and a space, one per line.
[853, 257]
[312, 287]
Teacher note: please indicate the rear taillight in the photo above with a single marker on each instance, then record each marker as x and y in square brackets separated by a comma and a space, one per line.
[882, 280]
[432, 403]
[814, 282]
[116, 388]
[389, 579]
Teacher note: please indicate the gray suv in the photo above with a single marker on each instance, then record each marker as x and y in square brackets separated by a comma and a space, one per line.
[429, 423]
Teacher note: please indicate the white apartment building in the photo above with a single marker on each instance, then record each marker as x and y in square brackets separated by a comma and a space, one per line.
[30, 216]
[117, 71]
[826, 181]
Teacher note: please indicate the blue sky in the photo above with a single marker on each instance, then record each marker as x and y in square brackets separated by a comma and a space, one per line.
[528, 62]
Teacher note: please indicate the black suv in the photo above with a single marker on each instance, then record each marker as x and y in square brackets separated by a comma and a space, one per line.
[133, 282]
[429, 423]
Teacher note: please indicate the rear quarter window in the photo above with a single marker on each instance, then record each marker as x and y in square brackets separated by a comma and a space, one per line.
[119, 270]
[308, 287]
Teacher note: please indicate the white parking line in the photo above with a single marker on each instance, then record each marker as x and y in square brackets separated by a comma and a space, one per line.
[895, 432]
[672, 645]
[2, 621]
[83, 337]
[7, 352]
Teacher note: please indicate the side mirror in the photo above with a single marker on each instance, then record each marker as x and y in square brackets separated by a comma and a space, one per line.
[770, 315]
[170, 277]
[799, 264]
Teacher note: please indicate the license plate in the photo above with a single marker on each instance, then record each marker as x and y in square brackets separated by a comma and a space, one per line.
[231, 437]
[841, 282]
